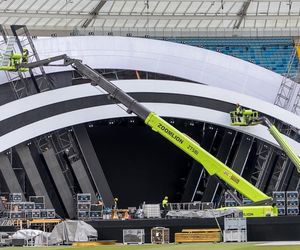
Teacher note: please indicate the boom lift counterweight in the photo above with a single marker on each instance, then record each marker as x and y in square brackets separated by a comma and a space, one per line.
[182, 141]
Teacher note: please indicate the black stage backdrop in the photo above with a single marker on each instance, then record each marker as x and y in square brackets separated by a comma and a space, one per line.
[138, 163]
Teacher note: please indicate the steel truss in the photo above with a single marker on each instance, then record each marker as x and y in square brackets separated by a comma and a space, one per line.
[280, 167]
[62, 141]
[288, 85]
[263, 155]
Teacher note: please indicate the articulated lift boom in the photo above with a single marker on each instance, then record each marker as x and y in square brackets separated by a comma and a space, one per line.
[282, 142]
[248, 117]
[213, 166]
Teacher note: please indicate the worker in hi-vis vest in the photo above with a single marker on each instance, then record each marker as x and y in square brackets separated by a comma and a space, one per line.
[239, 112]
[164, 205]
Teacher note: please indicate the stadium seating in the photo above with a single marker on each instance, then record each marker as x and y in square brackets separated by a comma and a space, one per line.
[271, 53]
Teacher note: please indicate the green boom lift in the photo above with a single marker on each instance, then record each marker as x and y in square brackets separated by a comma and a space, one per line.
[11, 62]
[262, 204]
[248, 117]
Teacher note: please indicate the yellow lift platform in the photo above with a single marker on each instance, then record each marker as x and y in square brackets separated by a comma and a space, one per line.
[9, 62]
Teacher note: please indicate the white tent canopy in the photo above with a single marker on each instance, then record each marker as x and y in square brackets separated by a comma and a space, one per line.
[36, 237]
[72, 230]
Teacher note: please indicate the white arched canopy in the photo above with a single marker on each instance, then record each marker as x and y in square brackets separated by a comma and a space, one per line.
[82, 115]
[187, 62]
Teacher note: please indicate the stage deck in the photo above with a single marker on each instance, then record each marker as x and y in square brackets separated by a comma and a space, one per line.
[280, 228]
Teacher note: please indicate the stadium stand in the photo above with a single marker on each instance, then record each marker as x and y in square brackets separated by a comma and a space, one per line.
[271, 53]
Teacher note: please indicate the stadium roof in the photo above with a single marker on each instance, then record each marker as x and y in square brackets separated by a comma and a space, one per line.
[154, 16]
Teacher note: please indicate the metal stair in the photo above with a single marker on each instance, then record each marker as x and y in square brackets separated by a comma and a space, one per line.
[9, 49]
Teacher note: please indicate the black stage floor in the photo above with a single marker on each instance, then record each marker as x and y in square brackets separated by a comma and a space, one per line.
[280, 228]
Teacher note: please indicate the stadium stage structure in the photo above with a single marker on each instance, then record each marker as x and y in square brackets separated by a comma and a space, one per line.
[72, 134]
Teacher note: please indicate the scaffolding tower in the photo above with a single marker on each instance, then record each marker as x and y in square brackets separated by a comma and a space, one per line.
[296, 105]
[40, 79]
[288, 87]
[288, 84]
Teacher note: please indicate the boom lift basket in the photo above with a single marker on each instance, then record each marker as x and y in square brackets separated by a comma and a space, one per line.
[244, 118]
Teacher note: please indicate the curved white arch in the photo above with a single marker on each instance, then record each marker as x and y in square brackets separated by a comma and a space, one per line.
[110, 111]
[113, 111]
[197, 64]
[151, 86]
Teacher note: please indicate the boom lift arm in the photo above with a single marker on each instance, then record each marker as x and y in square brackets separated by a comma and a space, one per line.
[182, 141]
[248, 117]
[282, 142]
